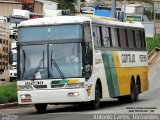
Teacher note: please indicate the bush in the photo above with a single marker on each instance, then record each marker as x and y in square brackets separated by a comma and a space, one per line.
[153, 42]
[8, 93]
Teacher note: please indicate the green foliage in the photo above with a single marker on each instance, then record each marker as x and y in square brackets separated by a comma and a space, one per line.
[8, 93]
[152, 43]
[66, 4]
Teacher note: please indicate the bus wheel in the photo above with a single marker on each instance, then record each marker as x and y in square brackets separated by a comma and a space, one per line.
[96, 103]
[41, 107]
[137, 91]
[134, 93]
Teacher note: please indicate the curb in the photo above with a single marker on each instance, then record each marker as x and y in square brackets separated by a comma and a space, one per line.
[11, 105]
[7, 105]
[152, 55]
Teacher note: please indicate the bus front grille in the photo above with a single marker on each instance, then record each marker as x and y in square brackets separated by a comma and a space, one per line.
[57, 85]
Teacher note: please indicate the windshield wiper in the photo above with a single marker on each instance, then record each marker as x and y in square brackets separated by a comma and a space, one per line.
[39, 64]
[24, 68]
[57, 67]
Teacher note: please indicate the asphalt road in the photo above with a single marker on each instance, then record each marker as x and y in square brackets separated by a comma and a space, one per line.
[149, 103]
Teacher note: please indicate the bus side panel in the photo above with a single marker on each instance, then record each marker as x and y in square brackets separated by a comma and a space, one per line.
[124, 74]
[111, 74]
[99, 73]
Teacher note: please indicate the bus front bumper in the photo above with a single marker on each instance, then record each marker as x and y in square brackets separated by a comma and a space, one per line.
[53, 96]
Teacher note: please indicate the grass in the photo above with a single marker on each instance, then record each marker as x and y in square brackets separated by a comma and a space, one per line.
[8, 93]
[153, 42]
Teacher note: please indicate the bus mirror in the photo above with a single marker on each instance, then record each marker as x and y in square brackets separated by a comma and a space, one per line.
[10, 57]
[8, 19]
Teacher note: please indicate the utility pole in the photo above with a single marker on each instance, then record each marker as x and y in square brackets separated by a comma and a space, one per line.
[124, 13]
[113, 8]
[154, 10]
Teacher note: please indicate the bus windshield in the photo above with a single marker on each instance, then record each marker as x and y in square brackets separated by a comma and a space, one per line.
[50, 60]
[17, 19]
[14, 57]
[36, 61]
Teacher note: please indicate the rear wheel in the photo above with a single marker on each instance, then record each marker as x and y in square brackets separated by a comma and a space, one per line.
[137, 91]
[134, 93]
[95, 104]
[41, 107]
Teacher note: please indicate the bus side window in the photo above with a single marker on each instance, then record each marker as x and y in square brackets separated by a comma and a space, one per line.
[134, 39]
[106, 36]
[143, 43]
[96, 37]
[87, 32]
[137, 38]
[118, 38]
[115, 38]
[130, 38]
[143, 39]
[122, 38]
[126, 38]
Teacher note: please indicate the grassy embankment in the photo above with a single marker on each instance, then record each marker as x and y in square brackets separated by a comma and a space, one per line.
[152, 43]
[8, 93]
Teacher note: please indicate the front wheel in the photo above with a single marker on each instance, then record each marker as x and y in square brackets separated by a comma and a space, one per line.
[95, 104]
[41, 107]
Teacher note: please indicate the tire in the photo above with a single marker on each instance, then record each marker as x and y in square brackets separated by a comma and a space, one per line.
[122, 99]
[41, 108]
[95, 104]
[137, 91]
[133, 94]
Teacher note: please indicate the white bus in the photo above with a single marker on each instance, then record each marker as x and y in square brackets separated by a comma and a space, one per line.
[79, 59]
[13, 66]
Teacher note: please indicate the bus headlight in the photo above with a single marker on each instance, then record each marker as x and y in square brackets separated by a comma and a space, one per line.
[75, 85]
[24, 87]
[25, 98]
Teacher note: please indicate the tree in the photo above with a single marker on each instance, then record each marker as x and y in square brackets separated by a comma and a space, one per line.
[66, 4]
[149, 8]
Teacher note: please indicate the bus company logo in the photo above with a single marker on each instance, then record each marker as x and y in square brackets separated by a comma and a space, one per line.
[143, 58]
[128, 58]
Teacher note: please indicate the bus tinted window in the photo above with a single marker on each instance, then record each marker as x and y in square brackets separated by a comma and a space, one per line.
[51, 32]
[130, 38]
[126, 37]
[95, 35]
[137, 38]
[122, 38]
[87, 32]
[143, 39]
[106, 37]
[115, 38]
[134, 39]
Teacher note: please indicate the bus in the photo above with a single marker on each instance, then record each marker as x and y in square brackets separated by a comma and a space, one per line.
[13, 66]
[80, 59]
[35, 15]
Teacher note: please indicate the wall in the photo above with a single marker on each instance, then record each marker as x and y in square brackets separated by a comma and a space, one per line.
[149, 29]
[38, 7]
[6, 8]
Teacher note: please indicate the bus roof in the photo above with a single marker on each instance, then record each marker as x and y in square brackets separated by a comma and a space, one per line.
[78, 19]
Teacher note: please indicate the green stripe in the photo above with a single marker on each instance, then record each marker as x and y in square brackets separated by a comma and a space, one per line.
[59, 82]
[110, 72]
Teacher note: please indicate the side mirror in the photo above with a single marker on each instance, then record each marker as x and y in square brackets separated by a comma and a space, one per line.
[10, 57]
[8, 19]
